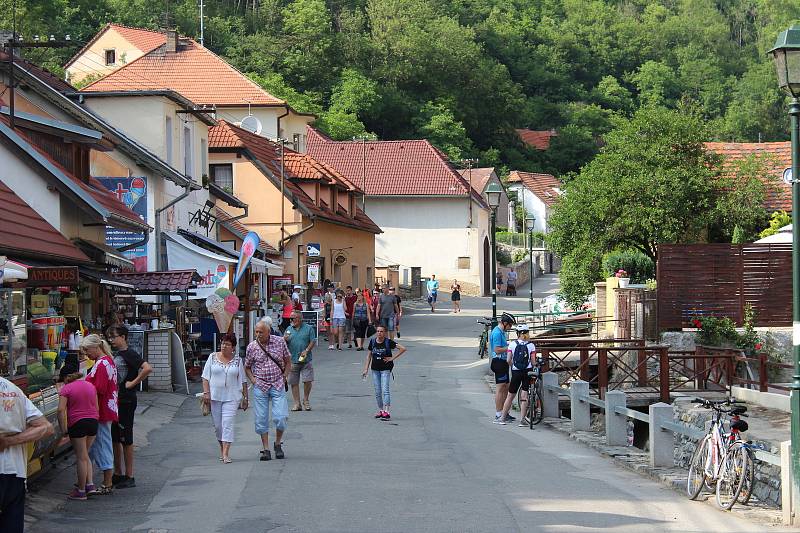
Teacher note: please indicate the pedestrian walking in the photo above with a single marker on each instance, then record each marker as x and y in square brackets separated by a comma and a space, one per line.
[374, 302]
[286, 311]
[433, 292]
[349, 302]
[381, 361]
[520, 356]
[131, 371]
[103, 375]
[499, 281]
[387, 311]
[267, 363]
[328, 299]
[20, 423]
[300, 339]
[78, 412]
[297, 297]
[511, 282]
[338, 321]
[498, 347]
[399, 314]
[362, 318]
[455, 296]
[225, 391]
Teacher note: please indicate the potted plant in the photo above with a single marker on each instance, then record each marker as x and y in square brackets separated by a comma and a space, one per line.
[622, 278]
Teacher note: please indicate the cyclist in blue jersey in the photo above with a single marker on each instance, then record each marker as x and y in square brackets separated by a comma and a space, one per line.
[498, 347]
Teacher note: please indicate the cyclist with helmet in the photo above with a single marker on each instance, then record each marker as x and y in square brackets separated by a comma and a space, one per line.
[521, 354]
[498, 346]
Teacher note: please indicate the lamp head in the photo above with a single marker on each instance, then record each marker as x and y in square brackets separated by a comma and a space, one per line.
[786, 54]
[530, 221]
[493, 193]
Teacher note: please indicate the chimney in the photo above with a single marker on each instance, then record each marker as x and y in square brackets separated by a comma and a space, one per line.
[172, 40]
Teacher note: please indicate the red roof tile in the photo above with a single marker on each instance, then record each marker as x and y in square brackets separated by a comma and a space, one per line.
[194, 72]
[23, 231]
[779, 158]
[479, 177]
[545, 186]
[236, 227]
[40, 72]
[144, 40]
[539, 139]
[392, 168]
[302, 167]
[170, 281]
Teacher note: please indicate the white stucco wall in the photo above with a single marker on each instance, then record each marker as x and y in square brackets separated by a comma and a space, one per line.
[291, 124]
[534, 206]
[430, 233]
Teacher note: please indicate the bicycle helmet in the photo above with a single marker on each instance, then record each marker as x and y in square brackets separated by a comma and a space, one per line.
[508, 319]
[740, 425]
[522, 328]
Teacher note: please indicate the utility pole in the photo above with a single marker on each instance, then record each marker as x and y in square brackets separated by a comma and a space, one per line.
[469, 163]
[202, 42]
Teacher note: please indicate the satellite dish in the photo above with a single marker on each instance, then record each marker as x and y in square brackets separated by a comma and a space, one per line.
[251, 124]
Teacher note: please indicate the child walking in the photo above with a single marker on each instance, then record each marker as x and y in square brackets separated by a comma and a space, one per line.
[381, 361]
[77, 414]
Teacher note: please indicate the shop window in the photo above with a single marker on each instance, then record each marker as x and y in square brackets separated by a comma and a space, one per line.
[111, 56]
[464, 263]
[222, 176]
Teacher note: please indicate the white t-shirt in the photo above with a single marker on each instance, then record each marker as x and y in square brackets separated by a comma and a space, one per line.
[531, 353]
[225, 381]
[14, 460]
[296, 296]
[338, 310]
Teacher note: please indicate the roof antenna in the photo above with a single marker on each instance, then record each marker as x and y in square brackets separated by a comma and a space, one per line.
[201, 23]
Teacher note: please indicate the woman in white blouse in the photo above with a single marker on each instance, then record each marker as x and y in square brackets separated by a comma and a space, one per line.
[225, 387]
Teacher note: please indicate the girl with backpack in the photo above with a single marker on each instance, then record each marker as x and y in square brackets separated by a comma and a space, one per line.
[521, 354]
[381, 361]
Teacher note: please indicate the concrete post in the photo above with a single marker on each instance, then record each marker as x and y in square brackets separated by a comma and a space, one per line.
[550, 397]
[616, 425]
[580, 410]
[662, 442]
[786, 483]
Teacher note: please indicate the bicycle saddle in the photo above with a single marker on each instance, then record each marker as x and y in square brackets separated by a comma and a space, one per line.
[739, 425]
[738, 410]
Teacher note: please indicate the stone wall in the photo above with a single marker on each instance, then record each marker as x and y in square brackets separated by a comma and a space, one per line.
[768, 477]
[158, 354]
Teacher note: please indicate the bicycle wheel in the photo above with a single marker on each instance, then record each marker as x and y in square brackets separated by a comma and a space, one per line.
[482, 346]
[749, 476]
[731, 477]
[536, 402]
[531, 407]
[697, 469]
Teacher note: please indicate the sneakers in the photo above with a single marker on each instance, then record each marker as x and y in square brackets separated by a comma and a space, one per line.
[330, 346]
[524, 422]
[265, 455]
[510, 418]
[278, 451]
[398, 334]
[499, 420]
[126, 483]
[91, 490]
[77, 494]
[386, 416]
[379, 414]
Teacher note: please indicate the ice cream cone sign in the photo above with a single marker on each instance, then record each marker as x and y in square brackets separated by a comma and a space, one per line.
[223, 304]
[249, 244]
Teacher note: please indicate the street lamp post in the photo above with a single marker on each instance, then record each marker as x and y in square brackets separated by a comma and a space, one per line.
[530, 221]
[493, 192]
[786, 54]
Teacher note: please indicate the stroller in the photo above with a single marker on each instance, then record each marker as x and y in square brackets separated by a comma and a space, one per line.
[511, 288]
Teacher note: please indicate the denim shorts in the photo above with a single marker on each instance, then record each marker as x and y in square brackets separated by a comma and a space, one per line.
[388, 323]
[338, 322]
[102, 452]
[271, 402]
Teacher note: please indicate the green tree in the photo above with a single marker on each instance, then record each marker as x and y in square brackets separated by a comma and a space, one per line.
[437, 124]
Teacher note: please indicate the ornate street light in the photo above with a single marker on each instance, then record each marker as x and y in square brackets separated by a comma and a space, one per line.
[493, 193]
[787, 63]
[530, 222]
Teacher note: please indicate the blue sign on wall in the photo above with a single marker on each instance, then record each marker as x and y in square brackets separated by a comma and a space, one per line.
[313, 249]
[132, 191]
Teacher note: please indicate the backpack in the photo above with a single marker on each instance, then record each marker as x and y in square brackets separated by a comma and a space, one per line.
[521, 356]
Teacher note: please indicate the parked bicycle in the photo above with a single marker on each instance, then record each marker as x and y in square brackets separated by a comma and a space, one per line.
[722, 461]
[483, 339]
[534, 391]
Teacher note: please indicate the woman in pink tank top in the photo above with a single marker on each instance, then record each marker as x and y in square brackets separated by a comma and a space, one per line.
[77, 414]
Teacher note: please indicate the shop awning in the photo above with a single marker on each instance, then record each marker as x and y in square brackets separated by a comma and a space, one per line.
[171, 282]
[104, 278]
[258, 266]
[103, 254]
[213, 268]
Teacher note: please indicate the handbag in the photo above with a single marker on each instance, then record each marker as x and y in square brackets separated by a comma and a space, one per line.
[205, 407]
[371, 330]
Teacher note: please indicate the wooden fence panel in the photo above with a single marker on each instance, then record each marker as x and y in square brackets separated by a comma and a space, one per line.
[720, 279]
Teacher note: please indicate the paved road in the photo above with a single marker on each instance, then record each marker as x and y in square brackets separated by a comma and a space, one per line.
[439, 465]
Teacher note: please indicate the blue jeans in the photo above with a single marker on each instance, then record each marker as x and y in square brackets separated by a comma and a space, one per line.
[274, 400]
[102, 451]
[380, 380]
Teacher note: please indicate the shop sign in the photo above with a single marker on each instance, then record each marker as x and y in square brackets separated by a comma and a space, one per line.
[313, 249]
[50, 276]
[132, 191]
[313, 273]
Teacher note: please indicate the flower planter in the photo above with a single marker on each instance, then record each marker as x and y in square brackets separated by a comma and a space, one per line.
[623, 282]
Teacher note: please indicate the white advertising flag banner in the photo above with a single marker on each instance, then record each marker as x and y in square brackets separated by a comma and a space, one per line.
[213, 268]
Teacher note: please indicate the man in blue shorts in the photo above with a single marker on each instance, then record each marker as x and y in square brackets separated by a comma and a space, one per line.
[433, 291]
[498, 346]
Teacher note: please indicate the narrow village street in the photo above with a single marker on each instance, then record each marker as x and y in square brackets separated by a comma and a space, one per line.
[438, 465]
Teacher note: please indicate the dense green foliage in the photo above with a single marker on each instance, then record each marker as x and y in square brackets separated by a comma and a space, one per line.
[639, 267]
[653, 182]
[464, 73]
[778, 220]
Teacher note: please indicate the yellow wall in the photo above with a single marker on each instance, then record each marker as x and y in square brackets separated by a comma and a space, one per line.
[93, 60]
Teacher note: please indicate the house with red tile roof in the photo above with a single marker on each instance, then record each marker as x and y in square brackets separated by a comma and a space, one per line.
[538, 139]
[430, 216]
[167, 61]
[296, 201]
[537, 193]
[479, 179]
[777, 157]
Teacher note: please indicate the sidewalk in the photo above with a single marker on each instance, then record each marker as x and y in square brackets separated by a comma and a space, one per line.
[48, 492]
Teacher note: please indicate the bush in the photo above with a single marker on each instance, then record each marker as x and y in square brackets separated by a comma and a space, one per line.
[519, 255]
[639, 267]
[503, 256]
[778, 220]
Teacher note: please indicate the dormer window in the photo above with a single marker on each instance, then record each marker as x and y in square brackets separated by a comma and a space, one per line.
[111, 56]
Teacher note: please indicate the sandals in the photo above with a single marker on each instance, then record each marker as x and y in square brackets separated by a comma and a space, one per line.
[105, 491]
[227, 460]
[278, 451]
[296, 407]
[265, 455]
[306, 405]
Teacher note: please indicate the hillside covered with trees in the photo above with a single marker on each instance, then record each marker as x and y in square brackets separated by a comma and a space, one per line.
[465, 73]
